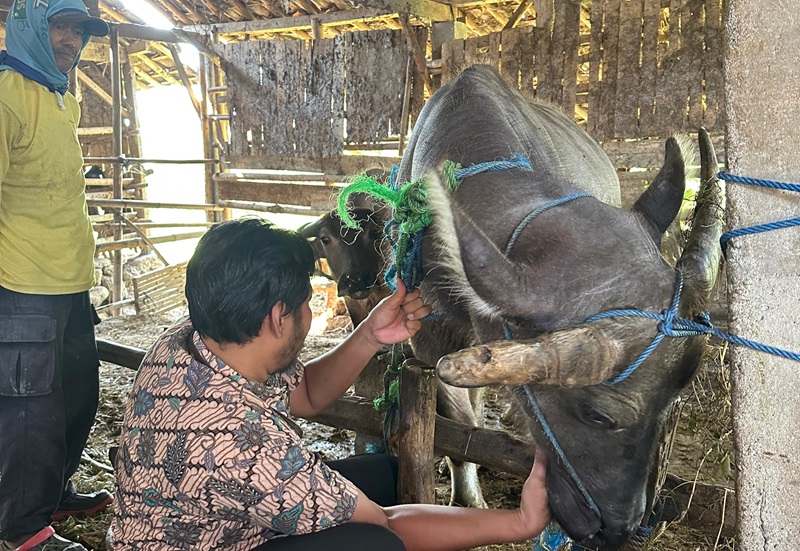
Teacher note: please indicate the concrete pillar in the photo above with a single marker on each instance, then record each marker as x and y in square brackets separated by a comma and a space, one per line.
[763, 141]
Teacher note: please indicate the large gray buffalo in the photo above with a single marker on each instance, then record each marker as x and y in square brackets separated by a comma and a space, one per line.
[497, 267]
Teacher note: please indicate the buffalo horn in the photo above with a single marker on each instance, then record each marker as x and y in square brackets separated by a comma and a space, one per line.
[579, 356]
[701, 256]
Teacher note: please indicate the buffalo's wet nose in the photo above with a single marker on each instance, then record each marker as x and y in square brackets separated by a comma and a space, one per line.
[356, 284]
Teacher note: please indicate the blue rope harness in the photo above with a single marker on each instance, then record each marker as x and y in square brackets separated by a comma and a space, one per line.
[414, 272]
[727, 236]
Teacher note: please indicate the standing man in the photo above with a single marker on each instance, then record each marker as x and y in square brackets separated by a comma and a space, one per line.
[209, 457]
[48, 359]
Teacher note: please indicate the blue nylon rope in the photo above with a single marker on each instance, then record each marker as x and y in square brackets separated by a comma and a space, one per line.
[559, 451]
[673, 325]
[749, 230]
[516, 161]
[528, 219]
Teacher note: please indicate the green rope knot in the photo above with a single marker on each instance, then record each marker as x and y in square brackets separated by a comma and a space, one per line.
[391, 384]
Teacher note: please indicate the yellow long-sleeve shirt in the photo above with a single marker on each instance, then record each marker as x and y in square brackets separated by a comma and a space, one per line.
[46, 239]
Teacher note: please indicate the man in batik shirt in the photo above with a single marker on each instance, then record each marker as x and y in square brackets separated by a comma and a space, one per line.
[209, 457]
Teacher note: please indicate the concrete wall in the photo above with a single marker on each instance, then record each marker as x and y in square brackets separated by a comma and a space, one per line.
[763, 141]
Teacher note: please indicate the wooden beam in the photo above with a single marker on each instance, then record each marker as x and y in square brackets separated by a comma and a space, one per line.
[143, 32]
[246, 12]
[125, 203]
[198, 42]
[255, 177]
[518, 13]
[435, 11]
[95, 130]
[417, 52]
[346, 164]
[273, 207]
[144, 237]
[97, 89]
[316, 197]
[184, 78]
[285, 24]
[158, 69]
[118, 245]
[172, 11]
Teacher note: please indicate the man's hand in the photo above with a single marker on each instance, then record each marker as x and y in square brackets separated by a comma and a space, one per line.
[534, 513]
[397, 317]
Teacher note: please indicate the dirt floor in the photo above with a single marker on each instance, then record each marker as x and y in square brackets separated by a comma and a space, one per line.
[703, 447]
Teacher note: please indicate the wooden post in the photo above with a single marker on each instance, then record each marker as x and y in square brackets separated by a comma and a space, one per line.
[763, 130]
[134, 141]
[415, 433]
[116, 115]
[208, 150]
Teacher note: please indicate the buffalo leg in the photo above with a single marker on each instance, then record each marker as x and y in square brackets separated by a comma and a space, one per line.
[464, 406]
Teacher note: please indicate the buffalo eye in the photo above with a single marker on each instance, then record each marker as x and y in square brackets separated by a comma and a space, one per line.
[595, 418]
[325, 241]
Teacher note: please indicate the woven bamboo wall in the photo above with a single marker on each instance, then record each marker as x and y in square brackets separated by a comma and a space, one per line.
[306, 99]
[651, 67]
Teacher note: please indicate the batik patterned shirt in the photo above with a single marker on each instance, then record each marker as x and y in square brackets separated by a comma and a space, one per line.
[210, 460]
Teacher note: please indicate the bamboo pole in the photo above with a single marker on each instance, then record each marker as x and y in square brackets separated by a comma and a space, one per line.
[272, 207]
[144, 238]
[128, 160]
[184, 78]
[118, 245]
[122, 203]
[116, 123]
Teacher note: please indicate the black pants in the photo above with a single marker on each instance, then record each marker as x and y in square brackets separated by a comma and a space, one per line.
[375, 474]
[49, 391]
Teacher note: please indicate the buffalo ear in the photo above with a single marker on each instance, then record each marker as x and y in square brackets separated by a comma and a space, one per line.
[660, 203]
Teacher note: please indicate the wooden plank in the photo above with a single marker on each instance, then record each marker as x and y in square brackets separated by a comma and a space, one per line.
[283, 176]
[542, 63]
[692, 60]
[346, 164]
[647, 153]
[647, 82]
[626, 119]
[529, 52]
[714, 115]
[509, 61]
[452, 59]
[572, 24]
[420, 81]
[596, 117]
[670, 98]
[318, 197]
[610, 64]
[375, 68]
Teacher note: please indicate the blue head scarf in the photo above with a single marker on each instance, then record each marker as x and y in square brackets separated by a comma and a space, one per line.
[28, 41]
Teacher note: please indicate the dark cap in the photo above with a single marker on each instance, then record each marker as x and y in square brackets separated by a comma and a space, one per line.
[91, 25]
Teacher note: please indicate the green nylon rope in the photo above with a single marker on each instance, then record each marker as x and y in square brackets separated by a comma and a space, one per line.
[412, 214]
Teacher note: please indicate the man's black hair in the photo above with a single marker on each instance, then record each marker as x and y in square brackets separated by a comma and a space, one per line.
[239, 271]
